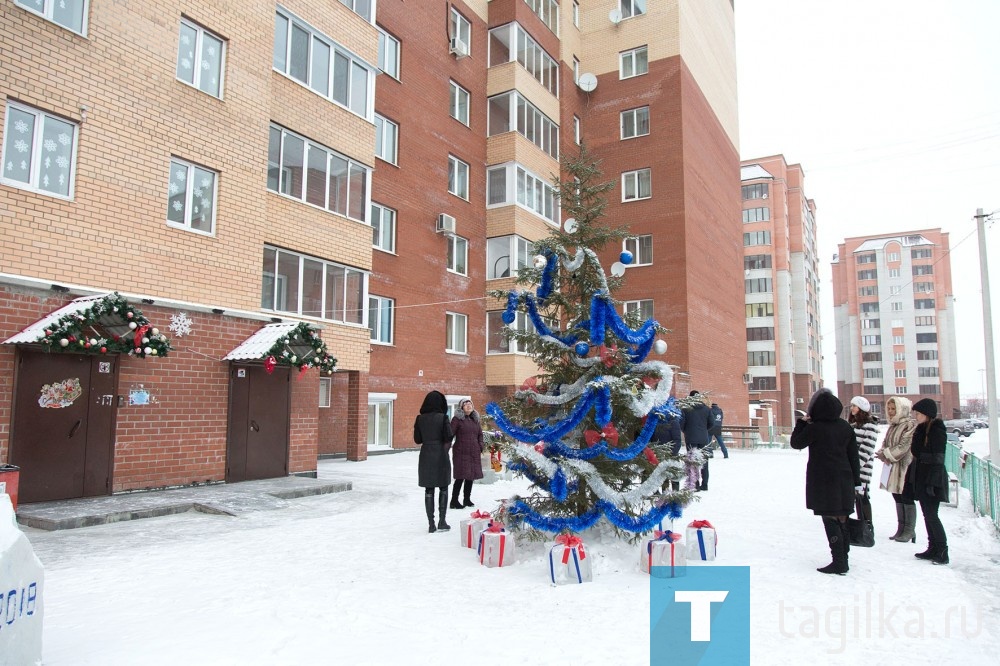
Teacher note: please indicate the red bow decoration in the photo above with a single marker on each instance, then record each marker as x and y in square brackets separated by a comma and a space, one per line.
[495, 526]
[650, 456]
[479, 514]
[607, 355]
[302, 370]
[540, 447]
[530, 384]
[698, 524]
[608, 433]
[139, 332]
[270, 363]
[569, 542]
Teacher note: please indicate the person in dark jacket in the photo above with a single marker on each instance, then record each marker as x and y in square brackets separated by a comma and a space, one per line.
[833, 472]
[433, 432]
[696, 424]
[716, 431]
[668, 431]
[929, 477]
[466, 453]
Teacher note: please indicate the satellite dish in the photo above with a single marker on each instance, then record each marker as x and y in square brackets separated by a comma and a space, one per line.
[615, 16]
[587, 82]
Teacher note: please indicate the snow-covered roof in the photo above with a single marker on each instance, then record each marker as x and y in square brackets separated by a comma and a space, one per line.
[36, 331]
[753, 171]
[878, 243]
[258, 344]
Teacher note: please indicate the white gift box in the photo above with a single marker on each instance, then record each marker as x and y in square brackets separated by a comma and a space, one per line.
[666, 554]
[496, 548]
[470, 528]
[701, 541]
[568, 562]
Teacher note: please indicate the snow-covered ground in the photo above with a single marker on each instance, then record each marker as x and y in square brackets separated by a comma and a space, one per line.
[354, 578]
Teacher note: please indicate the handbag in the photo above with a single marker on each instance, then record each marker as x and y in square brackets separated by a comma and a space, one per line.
[861, 529]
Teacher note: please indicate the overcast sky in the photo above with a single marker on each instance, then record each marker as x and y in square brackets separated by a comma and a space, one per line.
[892, 108]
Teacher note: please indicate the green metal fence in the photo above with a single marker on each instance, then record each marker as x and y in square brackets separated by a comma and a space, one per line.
[981, 477]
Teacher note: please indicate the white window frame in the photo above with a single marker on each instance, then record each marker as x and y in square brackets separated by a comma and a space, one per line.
[642, 304]
[381, 400]
[456, 322]
[632, 58]
[634, 113]
[898, 340]
[48, 13]
[522, 323]
[577, 130]
[899, 356]
[517, 251]
[458, 255]
[384, 41]
[460, 27]
[325, 392]
[35, 149]
[576, 70]
[893, 272]
[457, 94]
[634, 245]
[892, 256]
[453, 402]
[375, 319]
[632, 180]
[189, 194]
[632, 8]
[279, 296]
[382, 228]
[523, 189]
[897, 306]
[576, 14]
[458, 177]
[386, 140]
[353, 6]
[199, 45]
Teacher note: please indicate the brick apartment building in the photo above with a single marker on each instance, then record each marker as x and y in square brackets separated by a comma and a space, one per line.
[232, 170]
[784, 352]
[895, 317]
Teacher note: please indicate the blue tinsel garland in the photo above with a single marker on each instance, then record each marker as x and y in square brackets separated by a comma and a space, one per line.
[525, 470]
[510, 312]
[552, 263]
[601, 396]
[610, 452]
[642, 523]
[558, 486]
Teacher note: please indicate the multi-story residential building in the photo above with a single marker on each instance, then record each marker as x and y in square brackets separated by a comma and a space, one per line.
[784, 353]
[895, 318]
[368, 170]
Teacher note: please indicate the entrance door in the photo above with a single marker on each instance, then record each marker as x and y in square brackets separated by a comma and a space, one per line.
[62, 436]
[259, 404]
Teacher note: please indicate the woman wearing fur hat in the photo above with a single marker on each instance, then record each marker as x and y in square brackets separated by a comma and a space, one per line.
[866, 432]
[929, 477]
[832, 473]
[467, 452]
[895, 451]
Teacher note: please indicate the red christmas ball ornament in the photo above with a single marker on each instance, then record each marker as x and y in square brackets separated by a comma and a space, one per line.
[71, 338]
[116, 337]
[104, 350]
[130, 315]
[48, 332]
[86, 345]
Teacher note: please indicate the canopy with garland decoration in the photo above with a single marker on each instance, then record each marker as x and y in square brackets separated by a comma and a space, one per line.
[296, 344]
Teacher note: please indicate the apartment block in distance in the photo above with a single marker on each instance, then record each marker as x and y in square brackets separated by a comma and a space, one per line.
[784, 344]
[895, 318]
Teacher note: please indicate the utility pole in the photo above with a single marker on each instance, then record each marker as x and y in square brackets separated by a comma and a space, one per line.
[991, 368]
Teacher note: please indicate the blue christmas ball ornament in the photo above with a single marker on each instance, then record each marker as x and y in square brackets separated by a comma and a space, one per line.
[626, 257]
[582, 348]
[508, 317]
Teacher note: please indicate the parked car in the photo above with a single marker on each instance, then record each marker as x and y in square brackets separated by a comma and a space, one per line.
[959, 427]
[979, 423]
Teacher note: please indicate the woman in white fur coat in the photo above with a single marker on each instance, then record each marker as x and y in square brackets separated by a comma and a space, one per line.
[896, 451]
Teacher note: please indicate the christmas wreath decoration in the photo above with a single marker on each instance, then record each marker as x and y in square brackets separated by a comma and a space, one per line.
[111, 325]
[301, 348]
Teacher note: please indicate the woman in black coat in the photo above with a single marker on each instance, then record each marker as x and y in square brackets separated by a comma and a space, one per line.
[467, 452]
[433, 432]
[833, 471]
[929, 477]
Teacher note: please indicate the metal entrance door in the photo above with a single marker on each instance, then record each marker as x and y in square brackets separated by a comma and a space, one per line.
[62, 436]
[259, 405]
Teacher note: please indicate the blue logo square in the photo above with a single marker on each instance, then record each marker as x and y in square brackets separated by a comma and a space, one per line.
[701, 617]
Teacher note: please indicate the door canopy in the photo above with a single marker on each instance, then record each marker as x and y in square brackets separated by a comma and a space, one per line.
[102, 324]
[288, 343]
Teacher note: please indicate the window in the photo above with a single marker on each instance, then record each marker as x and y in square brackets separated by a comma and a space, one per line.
[900, 373]
[871, 356]
[897, 323]
[923, 287]
[927, 372]
[362, 8]
[869, 274]
[927, 269]
[755, 358]
[459, 103]
[576, 13]
[388, 53]
[932, 389]
[643, 308]
[760, 309]
[200, 58]
[923, 321]
[641, 248]
[498, 343]
[898, 340]
[892, 256]
[871, 340]
[755, 191]
[636, 185]
[510, 183]
[70, 14]
[312, 287]
[510, 111]
[870, 290]
[760, 333]
[576, 130]
[756, 261]
[872, 389]
[633, 63]
[380, 319]
[764, 384]
[865, 258]
[873, 373]
[923, 303]
[901, 390]
[383, 222]
[630, 8]
[895, 290]
[758, 286]
[458, 177]
[870, 323]
[926, 337]
[510, 43]
[307, 171]
[548, 11]
[386, 139]
[894, 272]
[576, 70]
[897, 306]
[635, 122]
[319, 63]
[756, 238]
[455, 328]
[899, 356]
[870, 307]
[922, 253]
[756, 215]
[499, 251]
[927, 355]
[39, 151]
[325, 391]
[460, 28]
[380, 420]
[191, 198]
[458, 255]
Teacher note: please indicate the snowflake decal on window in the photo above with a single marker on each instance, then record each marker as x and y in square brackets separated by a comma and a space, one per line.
[49, 145]
[177, 206]
[21, 126]
[174, 188]
[197, 191]
[211, 50]
[206, 182]
[65, 139]
[180, 324]
[62, 162]
[20, 146]
[185, 39]
[185, 63]
[205, 65]
[181, 175]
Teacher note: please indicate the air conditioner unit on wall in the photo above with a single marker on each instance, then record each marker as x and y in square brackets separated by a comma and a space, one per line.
[458, 47]
[747, 378]
[800, 400]
[445, 224]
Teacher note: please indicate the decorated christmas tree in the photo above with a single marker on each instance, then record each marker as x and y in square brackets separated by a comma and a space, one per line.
[583, 430]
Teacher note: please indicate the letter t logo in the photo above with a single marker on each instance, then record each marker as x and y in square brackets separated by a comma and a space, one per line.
[701, 611]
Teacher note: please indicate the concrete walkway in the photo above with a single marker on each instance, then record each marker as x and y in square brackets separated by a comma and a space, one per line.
[223, 498]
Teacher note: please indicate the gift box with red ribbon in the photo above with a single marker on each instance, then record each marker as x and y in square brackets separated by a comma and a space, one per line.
[568, 561]
[496, 547]
[471, 527]
[663, 556]
[701, 540]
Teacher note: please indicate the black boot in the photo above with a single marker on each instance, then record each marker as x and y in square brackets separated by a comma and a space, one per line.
[835, 537]
[454, 496]
[467, 501]
[429, 505]
[845, 536]
[928, 554]
[443, 509]
[941, 556]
